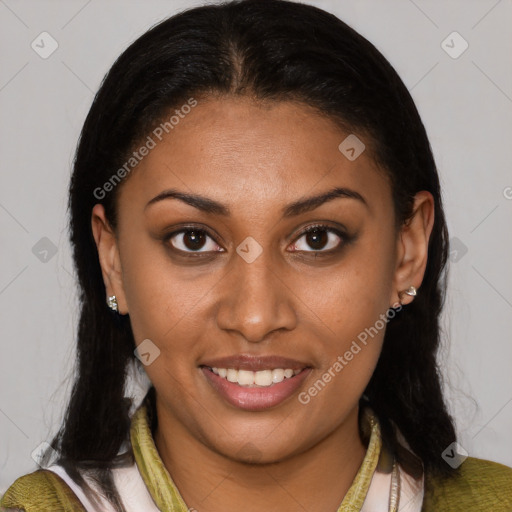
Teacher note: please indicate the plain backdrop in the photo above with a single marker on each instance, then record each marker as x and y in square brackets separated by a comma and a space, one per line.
[465, 100]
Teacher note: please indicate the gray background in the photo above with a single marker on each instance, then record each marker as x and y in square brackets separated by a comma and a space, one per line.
[466, 105]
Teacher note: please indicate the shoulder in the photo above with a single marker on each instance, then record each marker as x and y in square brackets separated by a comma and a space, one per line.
[478, 485]
[41, 491]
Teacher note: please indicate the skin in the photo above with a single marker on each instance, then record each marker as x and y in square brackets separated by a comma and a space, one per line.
[256, 159]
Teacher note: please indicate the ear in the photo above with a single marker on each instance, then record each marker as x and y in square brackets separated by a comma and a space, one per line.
[108, 253]
[412, 247]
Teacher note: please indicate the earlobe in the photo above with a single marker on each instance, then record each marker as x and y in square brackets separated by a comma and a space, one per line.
[412, 249]
[109, 258]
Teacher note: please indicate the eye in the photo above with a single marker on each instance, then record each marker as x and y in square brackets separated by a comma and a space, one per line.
[193, 240]
[319, 238]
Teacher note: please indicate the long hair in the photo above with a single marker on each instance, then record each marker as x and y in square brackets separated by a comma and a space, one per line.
[273, 50]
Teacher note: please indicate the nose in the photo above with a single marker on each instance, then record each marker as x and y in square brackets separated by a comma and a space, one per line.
[255, 300]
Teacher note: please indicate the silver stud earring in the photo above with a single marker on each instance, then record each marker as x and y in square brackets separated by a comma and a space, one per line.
[112, 303]
[411, 291]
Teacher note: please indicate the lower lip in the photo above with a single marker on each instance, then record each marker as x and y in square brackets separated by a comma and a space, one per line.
[255, 398]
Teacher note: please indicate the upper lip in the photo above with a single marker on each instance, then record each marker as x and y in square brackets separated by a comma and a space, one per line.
[255, 363]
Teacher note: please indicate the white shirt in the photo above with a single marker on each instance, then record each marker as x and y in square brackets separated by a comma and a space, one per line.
[136, 497]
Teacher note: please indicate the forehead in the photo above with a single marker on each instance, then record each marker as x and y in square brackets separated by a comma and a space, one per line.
[241, 152]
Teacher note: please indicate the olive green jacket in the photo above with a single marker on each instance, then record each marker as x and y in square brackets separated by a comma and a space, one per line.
[480, 486]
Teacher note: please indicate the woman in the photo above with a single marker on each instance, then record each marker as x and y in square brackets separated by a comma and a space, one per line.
[257, 225]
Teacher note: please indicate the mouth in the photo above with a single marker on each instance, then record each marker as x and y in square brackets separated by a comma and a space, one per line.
[255, 384]
[261, 378]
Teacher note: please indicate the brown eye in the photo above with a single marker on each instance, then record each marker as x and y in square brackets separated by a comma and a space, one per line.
[319, 238]
[193, 240]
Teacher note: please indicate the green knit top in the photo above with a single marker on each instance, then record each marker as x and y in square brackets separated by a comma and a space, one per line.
[480, 485]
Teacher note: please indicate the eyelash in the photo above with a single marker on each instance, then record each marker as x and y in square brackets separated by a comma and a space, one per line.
[321, 227]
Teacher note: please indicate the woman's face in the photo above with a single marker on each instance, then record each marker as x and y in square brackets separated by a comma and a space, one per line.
[213, 266]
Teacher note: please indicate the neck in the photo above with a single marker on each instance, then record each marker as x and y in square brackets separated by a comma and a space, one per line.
[210, 482]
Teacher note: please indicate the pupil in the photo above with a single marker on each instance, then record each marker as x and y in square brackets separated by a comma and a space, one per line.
[317, 238]
[194, 239]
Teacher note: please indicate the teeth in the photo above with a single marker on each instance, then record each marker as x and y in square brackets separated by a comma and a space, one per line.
[232, 375]
[248, 378]
[277, 375]
[263, 378]
[245, 378]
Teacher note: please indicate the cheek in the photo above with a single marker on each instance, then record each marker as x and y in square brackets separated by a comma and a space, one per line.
[350, 318]
[156, 299]
[163, 311]
[350, 351]
[169, 305]
[351, 298]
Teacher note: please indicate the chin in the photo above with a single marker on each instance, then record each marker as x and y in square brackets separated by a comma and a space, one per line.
[267, 450]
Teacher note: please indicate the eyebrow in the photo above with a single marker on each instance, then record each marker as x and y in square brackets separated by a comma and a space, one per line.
[307, 204]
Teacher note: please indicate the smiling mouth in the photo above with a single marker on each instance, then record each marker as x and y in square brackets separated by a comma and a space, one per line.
[258, 379]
